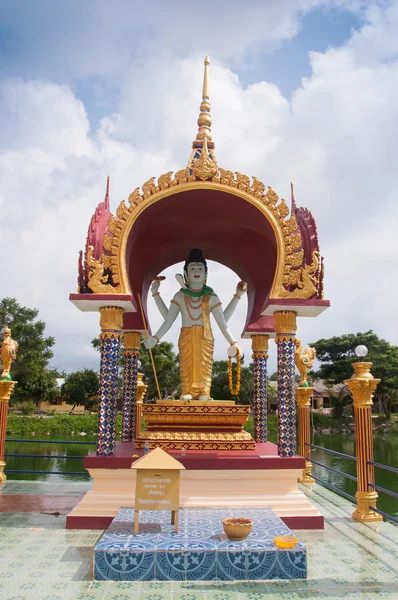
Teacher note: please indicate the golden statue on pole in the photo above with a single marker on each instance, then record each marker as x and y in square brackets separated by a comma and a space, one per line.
[9, 349]
[304, 359]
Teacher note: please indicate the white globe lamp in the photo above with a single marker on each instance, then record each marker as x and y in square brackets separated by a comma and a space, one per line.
[361, 351]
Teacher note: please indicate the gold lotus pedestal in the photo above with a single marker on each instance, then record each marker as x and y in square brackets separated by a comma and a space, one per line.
[195, 425]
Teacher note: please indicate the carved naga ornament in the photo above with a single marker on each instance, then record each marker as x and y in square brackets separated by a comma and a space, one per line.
[304, 359]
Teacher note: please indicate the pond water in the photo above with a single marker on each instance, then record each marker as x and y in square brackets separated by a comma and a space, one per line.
[385, 450]
[52, 462]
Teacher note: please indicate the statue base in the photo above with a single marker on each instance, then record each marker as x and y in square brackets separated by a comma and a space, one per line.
[195, 425]
[231, 479]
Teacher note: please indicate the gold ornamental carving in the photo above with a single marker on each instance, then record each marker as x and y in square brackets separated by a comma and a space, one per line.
[362, 385]
[205, 167]
[141, 389]
[304, 359]
[9, 349]
[303, 396]
[187, 436]
[260, 346]
[98, 280]
[285, 323]
[306, 476]
[294, 278]
[363, 513]
[196, 441]
[304, 280]
[132, 340]
[111, 320]
[6, 389]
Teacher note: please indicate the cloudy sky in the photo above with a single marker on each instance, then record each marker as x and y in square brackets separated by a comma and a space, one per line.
[301, 90]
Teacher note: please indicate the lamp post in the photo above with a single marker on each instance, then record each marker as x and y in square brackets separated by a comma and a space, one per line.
[362, 386]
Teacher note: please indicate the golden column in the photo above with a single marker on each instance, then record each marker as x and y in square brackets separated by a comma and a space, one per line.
[285, 328]
[131, 356]
[303, 398]
[259, 356]
[111, 321]
[362, 386]
[6, 388]
[139, 400]
[304, 359]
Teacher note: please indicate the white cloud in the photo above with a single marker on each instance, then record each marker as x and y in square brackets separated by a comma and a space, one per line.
[336, 139]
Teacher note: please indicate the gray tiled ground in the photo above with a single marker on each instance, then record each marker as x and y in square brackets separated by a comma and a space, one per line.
[41, 560]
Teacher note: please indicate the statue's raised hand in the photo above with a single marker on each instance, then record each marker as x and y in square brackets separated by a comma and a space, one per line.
[150, 343]
[234, 349]
[155, 287]
[241, 288]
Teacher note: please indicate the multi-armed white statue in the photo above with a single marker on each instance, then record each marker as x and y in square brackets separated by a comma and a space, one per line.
[195, 301]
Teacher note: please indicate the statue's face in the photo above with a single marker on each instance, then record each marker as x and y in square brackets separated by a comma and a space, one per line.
[196, 273]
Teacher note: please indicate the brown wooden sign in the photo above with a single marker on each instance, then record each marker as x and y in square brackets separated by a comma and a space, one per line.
[157, 485]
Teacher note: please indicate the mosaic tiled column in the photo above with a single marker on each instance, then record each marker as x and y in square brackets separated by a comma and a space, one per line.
[285, 327]
[111, 321]
[303, 397]
[131, 356]
[6, 387]
[260, 355]
[362, 386]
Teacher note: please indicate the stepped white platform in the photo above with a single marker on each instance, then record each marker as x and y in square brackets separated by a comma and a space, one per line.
[250, 478]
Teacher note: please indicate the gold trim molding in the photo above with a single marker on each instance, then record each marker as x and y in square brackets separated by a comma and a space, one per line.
[260, 346]
[132, 340]
[303, 396]
[362, 385]
[285, 323]
[111, 319]
[6, 389]
[196, 441]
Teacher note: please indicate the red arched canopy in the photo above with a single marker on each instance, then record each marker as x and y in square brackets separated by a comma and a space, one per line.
[229, 230]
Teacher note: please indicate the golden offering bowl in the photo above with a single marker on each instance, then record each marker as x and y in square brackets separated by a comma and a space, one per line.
[286, 541]
[135, 456]
[237, 528]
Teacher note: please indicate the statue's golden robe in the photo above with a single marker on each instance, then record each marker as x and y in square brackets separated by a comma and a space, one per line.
[196, 346]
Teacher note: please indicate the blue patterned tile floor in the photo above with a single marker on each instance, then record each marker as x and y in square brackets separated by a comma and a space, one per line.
[41, 560]
[200, 551]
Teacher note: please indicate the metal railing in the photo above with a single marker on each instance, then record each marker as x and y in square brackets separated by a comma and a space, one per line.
[339, 472]
[384, 490]
[54, 456]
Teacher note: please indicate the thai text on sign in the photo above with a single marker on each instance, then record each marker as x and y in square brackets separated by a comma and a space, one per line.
[157, 490]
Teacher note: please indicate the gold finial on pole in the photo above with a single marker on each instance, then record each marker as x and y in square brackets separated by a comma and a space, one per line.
[204, 120]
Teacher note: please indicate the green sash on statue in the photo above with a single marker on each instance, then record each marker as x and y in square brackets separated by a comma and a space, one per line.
[205, 291]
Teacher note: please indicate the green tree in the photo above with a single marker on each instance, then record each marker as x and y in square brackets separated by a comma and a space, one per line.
[166, 365]
[336, 356]
[167, 370]
[35, 381]
[81, 387]
[220, 385]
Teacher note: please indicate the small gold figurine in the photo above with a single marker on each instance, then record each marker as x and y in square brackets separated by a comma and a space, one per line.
[304, 361]
[9, 349]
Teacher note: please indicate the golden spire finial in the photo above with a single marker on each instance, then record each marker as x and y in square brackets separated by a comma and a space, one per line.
[204, 120]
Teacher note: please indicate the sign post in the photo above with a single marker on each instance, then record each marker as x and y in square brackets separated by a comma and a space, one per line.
[157, 485]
